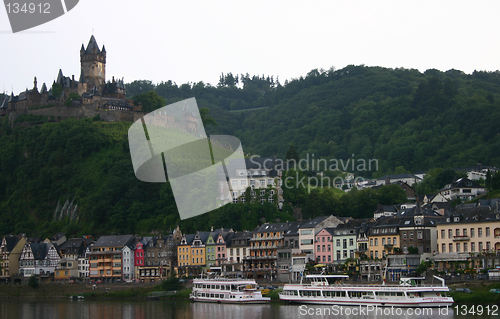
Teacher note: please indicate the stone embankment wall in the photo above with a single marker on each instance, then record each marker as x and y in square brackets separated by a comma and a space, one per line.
[58, 113]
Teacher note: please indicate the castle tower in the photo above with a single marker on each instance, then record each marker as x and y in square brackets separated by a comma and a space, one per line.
[93, 64]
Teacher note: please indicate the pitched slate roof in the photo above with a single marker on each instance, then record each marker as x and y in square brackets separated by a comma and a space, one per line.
[114, 241]
[468, 214]
[271, 228]
[463, 183]
[189, 238]
[312, 223]
[11, 242]
[73, 246]
[293, 229]
[92, 45]
[39, 250]
[203, 236]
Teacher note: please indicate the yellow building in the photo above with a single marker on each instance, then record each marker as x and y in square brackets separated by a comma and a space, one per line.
[191, 254]
[468, 231]
[10, 252]
[383, 237]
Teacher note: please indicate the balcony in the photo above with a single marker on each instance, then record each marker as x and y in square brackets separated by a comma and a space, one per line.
[260, 257]
[264, 247]
[461, 238]
[266, 238]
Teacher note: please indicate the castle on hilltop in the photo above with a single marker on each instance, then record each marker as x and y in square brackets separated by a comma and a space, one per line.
[88, 96]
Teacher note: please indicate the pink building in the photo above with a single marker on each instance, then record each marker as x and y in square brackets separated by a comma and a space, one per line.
[323, 246]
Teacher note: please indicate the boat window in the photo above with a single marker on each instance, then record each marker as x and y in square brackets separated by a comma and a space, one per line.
[216, 295]
[399, 293]
[211, 295]
[393, 293]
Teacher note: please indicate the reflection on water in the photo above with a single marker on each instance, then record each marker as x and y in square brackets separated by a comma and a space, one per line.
[183, 309]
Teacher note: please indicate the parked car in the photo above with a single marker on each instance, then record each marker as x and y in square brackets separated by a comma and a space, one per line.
[182, 281]
[272, 287]
[495, 291]
[481, 276]
[464, 290]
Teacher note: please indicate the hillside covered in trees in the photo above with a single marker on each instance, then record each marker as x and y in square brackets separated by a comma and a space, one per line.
[405, 119]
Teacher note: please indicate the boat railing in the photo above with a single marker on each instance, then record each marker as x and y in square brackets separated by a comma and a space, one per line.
[221, 279]
[309, 285]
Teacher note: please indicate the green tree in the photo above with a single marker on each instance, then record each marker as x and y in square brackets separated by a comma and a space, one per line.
[206, 118]
[150, 101]
[292, 154]
[139, 86]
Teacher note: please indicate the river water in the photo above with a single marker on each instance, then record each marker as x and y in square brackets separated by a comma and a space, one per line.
[183, 309]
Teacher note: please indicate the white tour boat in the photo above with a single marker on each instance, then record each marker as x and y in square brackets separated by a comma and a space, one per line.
[329, 290]
[227, 290]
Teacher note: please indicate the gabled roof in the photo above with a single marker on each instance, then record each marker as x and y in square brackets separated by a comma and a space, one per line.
[203, 236]
[189, 238]
[293, 229]
[39, 250]
[271, 228]
[239, 236]
[11, 242]
[329, 230]
[463, 183]
[114, 241]
[472, 214]
[73, 246]
[314, 222]
[386, 222]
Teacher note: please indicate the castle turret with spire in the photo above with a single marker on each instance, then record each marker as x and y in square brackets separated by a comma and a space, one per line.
[93, 65]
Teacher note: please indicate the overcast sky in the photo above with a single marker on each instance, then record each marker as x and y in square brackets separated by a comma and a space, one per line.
[192, 41]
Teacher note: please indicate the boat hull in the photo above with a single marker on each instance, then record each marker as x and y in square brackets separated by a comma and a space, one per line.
[237, 301]
[436, 302]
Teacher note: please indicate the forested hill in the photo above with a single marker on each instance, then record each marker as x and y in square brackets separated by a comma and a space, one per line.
[405, 119]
